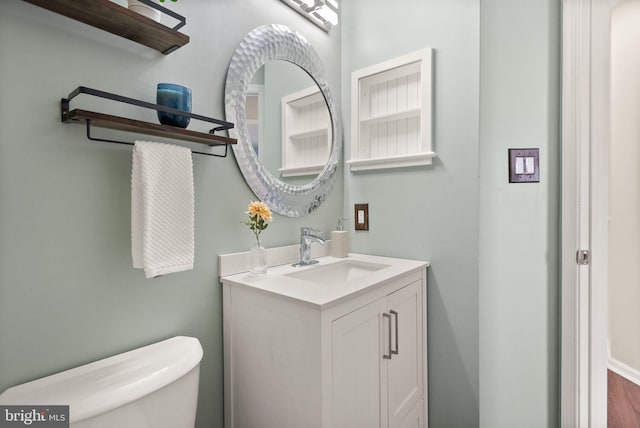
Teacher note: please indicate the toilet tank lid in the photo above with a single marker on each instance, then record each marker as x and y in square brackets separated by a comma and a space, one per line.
[104, 385]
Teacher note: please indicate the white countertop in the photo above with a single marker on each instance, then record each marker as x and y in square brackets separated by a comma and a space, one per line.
[277, 282]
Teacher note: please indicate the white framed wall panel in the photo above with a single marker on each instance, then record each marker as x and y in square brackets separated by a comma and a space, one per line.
[391, 113]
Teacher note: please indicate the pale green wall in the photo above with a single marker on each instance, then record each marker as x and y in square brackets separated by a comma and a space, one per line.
[496, 85]
[428, 213]
[519, 223]
[68, 293]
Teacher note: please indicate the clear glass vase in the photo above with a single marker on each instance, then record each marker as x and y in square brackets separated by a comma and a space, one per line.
[258, 261]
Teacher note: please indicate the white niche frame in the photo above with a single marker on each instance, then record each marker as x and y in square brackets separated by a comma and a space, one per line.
[306, 133]
[391, 113]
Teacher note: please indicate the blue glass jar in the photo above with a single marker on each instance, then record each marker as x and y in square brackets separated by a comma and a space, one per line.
[174, 96]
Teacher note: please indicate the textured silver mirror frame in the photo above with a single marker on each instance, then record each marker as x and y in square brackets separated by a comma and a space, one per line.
[266, 43]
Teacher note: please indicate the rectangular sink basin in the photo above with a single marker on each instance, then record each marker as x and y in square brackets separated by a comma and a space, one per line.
[336, 272]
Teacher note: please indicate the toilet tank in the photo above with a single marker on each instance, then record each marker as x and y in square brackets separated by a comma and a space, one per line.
[155, 386]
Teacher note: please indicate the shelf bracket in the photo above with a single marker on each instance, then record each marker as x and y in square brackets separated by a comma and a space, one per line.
[182, 21]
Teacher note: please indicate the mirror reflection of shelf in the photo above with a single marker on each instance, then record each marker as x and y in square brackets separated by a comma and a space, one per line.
[301, 171]
[306, 155]
[306, 133]
[391, 113]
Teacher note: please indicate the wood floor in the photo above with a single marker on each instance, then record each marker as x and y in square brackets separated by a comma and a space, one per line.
[623, 406]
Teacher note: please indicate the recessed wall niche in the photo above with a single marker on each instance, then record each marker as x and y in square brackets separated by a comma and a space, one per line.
[306, 133]
[391, 113]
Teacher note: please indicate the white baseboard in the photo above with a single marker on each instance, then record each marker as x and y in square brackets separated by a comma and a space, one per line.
[624, 370]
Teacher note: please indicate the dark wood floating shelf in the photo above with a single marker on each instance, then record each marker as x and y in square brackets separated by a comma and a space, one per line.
[131, 125]
[118, 20]
[103, 120]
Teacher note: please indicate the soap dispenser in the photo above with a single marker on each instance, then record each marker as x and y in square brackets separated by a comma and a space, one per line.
[340, 240]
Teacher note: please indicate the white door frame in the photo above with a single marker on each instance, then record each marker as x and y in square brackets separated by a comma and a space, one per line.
[585, 158]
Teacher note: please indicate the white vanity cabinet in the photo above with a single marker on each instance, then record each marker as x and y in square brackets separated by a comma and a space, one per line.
[354, 358]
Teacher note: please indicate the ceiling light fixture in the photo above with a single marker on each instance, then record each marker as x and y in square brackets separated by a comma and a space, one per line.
[323, 13]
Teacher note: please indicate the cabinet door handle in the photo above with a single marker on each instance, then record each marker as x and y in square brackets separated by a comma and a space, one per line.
[395, 314]
[388, 356]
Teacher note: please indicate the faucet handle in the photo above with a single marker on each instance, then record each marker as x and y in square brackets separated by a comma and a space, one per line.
[306, 231]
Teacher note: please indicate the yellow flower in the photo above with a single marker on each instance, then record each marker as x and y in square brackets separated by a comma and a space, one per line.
[259, 214]
[259, 209]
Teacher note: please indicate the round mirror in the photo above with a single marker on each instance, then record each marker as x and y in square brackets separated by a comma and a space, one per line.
[288, 130]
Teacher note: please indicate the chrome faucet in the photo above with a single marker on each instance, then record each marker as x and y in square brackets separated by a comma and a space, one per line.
[307, 236]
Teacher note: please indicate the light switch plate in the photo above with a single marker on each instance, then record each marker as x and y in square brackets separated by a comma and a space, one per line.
[524, 166]
[361, 216]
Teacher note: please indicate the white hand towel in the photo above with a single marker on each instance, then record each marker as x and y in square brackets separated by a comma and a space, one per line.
[162, 208]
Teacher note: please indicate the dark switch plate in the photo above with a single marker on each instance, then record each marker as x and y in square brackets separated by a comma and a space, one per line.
[524, 166]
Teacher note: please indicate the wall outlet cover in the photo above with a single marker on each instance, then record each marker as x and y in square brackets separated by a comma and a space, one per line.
[361, 216]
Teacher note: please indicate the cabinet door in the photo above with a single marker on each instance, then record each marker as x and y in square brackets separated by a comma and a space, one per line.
[358, 342]
[405, 368]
